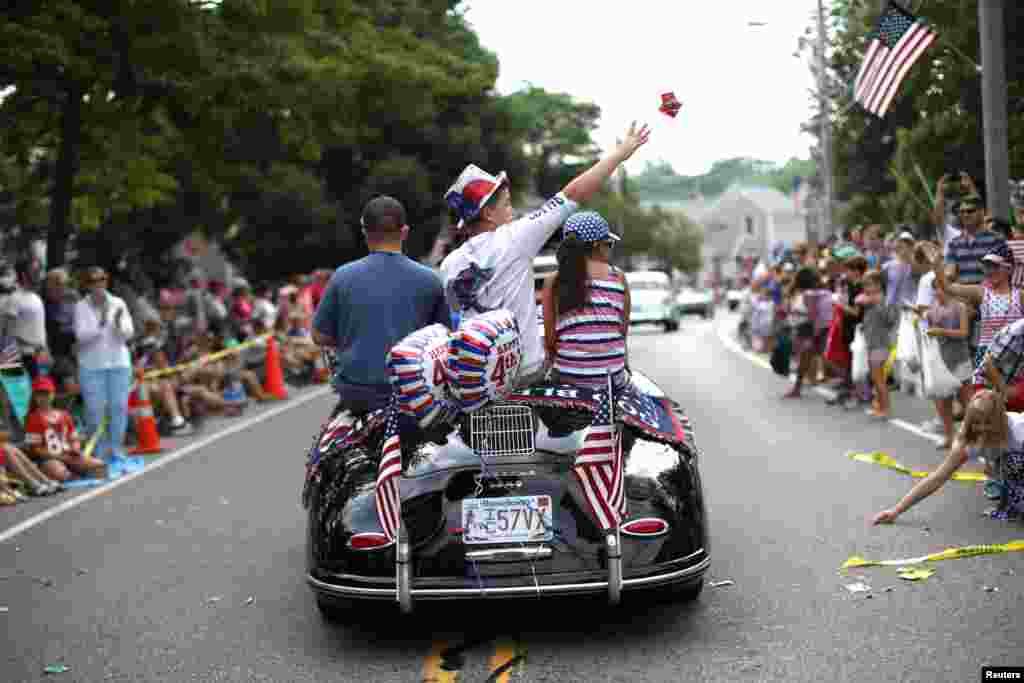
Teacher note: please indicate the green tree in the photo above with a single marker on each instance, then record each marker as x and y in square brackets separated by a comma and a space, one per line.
[557, 130]
[934, 123]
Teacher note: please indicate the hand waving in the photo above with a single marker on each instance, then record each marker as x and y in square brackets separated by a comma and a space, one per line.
[634, 140]
[885, 517]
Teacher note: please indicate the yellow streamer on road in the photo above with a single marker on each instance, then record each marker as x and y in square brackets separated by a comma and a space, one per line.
[948, 554]
[880, 458]
[90, 445]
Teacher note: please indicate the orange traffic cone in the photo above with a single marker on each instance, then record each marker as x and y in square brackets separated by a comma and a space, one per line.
[274, 385]
[141, 410]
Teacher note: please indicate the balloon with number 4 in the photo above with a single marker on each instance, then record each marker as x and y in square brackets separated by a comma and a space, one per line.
[417, 370]
[483, 359]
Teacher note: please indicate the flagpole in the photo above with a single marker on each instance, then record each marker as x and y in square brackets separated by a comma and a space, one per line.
[992, 26]
[826, 129]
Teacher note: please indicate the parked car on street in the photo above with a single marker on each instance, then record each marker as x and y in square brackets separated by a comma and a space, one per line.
[733, 298]
[651, 300]
[690, 301]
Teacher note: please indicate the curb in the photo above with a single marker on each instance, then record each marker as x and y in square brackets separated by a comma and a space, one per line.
[753, 358]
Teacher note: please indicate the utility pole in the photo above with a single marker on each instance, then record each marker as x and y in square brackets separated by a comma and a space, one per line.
[825, 224]
[992, 25]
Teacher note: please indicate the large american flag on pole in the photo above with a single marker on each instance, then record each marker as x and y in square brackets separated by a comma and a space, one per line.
[893, 47]
[599, 468]
[389, 503]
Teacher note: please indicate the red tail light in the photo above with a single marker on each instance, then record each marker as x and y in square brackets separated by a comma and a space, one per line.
[647, 527]
[369, 541]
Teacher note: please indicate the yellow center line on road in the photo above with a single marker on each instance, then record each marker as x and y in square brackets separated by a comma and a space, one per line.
[505, 651]
[432, 671]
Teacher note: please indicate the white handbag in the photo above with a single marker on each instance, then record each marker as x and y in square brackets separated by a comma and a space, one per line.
[906, 344]
[860, 369]
[939, 382]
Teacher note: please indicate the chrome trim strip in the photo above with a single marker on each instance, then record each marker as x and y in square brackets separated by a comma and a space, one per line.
[509, 592]
[540, 552]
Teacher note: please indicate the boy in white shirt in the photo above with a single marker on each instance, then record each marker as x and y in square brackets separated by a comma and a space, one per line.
[494, 267]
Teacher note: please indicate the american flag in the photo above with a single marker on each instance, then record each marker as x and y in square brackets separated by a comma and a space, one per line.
[898, 42]
[599, 466]
[389, 503]
[10, 356]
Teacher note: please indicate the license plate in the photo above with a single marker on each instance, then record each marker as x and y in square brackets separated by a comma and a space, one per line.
[516, 519]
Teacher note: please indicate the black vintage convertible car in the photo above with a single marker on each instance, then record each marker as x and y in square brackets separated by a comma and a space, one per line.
[490, 507]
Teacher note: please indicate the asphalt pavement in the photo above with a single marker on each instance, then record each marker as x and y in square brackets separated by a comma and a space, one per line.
[194, 571]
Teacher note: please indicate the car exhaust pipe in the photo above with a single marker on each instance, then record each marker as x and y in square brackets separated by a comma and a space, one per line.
[614, 547]
[403, 571]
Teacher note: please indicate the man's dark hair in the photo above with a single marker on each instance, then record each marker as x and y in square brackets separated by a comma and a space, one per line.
[807, 278]
[383, 216]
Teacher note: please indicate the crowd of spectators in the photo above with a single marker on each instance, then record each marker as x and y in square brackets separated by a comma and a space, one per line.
[74, 345]
[959, 283]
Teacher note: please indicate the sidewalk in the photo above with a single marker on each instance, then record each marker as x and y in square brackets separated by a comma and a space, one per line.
[908, 410]
[214, 428]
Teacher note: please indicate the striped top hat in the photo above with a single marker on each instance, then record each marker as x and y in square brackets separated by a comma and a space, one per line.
[471, 191]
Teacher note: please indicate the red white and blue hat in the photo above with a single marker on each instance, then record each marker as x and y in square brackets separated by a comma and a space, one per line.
[588, 226]
[472, 190]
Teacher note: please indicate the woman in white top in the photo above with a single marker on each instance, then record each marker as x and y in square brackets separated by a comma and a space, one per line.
[103, 327]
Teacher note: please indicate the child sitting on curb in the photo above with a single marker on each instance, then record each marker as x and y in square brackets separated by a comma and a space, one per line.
[53, 439]
[16, 469]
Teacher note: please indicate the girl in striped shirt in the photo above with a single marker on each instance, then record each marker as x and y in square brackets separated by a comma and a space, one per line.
[999, 302]
[586, 307]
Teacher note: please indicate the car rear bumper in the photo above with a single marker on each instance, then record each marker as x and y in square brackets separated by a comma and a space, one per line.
[685, 570]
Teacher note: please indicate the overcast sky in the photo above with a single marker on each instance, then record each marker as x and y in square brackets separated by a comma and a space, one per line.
[743, 92]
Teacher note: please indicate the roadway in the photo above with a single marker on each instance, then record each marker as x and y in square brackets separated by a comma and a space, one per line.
[194, 571]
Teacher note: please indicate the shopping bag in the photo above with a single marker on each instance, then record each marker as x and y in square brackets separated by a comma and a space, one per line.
[782, 354]
[906, 345]
[939, 382]
[836, 351]
[861, 369]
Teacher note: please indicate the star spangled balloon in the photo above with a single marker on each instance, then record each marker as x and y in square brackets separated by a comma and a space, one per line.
[669, 104]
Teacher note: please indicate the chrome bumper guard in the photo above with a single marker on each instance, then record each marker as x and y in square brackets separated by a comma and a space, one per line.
[530, 590]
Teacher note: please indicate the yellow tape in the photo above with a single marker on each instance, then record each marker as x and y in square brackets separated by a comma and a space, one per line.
[879, 458]
[948, 554]
[199, 362]
[90, 445]
[916, 574]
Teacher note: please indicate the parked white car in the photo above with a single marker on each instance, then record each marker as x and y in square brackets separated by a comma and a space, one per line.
[734, 297]
[691, 301]
[651, 299]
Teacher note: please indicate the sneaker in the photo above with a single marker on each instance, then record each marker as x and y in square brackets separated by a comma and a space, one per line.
[933, 426]
[994, 490]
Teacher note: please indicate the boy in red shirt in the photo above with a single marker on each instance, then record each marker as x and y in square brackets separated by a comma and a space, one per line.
[53, 439]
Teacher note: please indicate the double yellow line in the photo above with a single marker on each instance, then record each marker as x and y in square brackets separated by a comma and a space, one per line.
[508, 658]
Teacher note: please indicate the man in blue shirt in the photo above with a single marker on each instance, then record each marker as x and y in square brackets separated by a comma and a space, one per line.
[372, 303]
